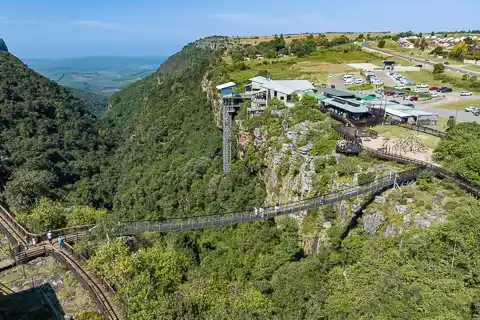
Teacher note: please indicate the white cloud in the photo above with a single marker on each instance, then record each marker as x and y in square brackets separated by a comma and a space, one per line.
[98, 24]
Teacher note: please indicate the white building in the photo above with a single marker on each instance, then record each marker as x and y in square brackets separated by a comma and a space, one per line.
[264, 89]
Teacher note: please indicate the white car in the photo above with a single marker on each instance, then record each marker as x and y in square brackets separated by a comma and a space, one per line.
[470, 109]
[330, 76]
[416, 90]
[349, 82]
[465, 93]
[347, 77]
[399, 87]
[434, 95]
[358, 81]
[422, 85]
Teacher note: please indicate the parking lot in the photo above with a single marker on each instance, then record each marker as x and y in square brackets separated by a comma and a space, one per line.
[337, 80]
[385, 78]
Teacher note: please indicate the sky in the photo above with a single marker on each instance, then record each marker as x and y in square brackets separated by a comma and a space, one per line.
[64, 28]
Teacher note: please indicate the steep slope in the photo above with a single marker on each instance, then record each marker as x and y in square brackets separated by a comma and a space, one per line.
[3, 46]
[168, 148]
[95, 103]
[48, 138]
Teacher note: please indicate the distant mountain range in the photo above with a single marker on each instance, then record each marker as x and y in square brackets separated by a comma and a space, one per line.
[101, 75]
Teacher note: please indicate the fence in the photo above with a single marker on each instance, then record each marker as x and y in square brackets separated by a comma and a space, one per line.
[136, 227]
[470, 186]
[420, 128]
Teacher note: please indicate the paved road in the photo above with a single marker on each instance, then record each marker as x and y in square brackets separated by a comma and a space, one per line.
[366, 46]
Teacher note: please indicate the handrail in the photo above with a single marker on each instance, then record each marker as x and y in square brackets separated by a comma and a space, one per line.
[420, 128]
[471, 186]
[22, 255]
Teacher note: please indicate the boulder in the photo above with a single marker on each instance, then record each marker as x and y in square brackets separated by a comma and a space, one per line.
[380, 199]
[342, 211]
[391, 230]
[406, 220]
[401, 209]
[373, 222]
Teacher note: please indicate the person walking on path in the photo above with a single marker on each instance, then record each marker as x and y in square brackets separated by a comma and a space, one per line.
[60, 242]
[49, 237]
[34, 241]
[27, 242]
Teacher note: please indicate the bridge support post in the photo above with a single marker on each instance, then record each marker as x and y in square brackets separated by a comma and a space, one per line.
[395, 183]
[227, 135]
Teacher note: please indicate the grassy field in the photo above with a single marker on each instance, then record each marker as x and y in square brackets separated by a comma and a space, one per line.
[427, 77]
[461, 105]
[315, 68]
[471, 67]
[399, 132]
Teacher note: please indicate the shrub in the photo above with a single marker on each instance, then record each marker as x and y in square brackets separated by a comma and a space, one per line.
[366, 177]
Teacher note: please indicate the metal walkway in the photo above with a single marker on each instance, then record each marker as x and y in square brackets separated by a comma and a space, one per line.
[98, 290]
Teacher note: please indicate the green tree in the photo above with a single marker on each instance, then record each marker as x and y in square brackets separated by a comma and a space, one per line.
[451, 123]
[438, 68]
[27, 185]
[437, 51]
[381, 43]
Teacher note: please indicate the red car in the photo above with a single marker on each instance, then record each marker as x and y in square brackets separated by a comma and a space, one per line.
[389, 93]
[433, 88]
[413, 98]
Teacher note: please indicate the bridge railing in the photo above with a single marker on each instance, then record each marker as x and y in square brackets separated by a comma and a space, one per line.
[71, 232]
[420, 128]
[470, 186]
[189, 223]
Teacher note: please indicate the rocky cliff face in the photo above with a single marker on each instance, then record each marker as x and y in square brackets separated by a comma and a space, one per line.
[209, 89]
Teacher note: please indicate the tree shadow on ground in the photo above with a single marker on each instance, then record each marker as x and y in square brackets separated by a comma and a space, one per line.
[39, 303]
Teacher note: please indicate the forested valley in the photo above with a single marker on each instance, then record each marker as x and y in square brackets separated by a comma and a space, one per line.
[156, 154]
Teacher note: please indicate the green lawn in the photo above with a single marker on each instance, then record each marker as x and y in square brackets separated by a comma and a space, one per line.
[472, 67]
[399, 132]
[460, 105]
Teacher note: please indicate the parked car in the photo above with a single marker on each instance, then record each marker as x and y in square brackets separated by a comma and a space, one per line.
[390, 93]
[419, 66]
[446, 62]
[379, 91]
[433, 88]
[444, 89]
[477, 112]
[332, 86]
[330, 76]
[413, 98]
[434, 95]
[408, 89]
[411, 105]
[398, 94]
[422, 85]
[394, 101]
[465, 93]
[471, 109]
[358, 81]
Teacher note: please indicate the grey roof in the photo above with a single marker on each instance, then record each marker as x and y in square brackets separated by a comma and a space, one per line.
[258, 79]
[288, 86]
[345, 106]
[336, 92]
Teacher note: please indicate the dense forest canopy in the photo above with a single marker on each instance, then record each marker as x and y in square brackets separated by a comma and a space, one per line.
[49, 139]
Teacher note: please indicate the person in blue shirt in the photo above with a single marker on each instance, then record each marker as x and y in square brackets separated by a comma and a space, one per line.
[60, 242]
